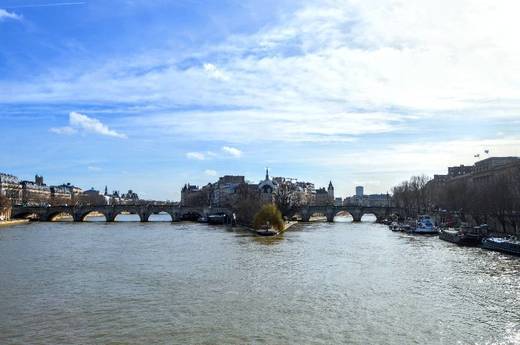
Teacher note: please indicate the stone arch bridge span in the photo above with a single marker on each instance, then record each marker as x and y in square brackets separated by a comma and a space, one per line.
[357, 212]
[79, 213]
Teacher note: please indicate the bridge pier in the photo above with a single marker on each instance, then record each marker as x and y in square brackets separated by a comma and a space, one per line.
[330, 215]
[306, 215]
[356, 216]
[143, 217]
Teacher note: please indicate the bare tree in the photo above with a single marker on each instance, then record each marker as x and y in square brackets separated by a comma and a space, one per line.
[246, 204]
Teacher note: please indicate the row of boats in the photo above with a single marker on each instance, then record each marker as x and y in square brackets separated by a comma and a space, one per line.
[463, 235]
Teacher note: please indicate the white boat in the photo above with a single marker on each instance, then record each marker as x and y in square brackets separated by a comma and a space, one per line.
[394, 226]
[425, 225]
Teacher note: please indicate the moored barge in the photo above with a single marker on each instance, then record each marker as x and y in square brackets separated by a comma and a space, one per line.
[463, 236]
[504, 245]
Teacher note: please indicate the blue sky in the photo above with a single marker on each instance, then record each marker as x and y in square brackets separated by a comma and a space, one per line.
[149, 95]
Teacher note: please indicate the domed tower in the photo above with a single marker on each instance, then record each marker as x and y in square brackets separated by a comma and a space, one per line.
[330, 190]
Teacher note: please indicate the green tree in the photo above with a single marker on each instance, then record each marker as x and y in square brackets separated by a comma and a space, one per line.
[269, 215]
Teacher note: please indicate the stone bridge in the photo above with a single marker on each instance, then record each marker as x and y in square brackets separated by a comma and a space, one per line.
[79, 213]
[306, 212]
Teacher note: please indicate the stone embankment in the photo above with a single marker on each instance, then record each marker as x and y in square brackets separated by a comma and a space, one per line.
[5, 223]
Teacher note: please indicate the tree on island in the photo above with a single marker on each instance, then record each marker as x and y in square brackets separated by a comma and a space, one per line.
[246, 204]
[287, 198]
[269, 215]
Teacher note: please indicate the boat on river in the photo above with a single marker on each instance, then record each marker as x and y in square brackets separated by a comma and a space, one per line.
[463, 236]
[267, 232]
[202, 219]
[394, 226]
[425, 225]
[218, 219]
[505, 245]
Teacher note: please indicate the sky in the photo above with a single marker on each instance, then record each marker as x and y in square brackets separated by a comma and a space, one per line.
[150, 95]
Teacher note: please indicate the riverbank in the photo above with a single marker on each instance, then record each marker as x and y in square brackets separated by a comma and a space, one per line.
[6, 223]
[287, 225]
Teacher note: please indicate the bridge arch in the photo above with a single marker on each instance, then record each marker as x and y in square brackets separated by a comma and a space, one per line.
[343, 216]
[162, 216]
[369, 217]
[52, 216]
[82, 217]
[134, 215]
[27, 215]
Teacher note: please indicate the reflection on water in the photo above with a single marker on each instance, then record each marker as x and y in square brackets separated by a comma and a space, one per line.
[187, 283]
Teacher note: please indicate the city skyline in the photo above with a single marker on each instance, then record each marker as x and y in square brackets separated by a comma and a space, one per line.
[130, 93]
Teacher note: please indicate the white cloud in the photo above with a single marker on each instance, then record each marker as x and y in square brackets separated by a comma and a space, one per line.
[210, 172]
[93, 168]
[196, 155]
[79, 122]
[63, 130]
[232, 151]
[329, 72]
[215, 72]
[8, 15]
[92, 125]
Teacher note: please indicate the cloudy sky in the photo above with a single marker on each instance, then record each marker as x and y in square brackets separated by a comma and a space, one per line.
[149, 95]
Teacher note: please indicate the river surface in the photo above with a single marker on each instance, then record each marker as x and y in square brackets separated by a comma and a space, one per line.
[187, 283]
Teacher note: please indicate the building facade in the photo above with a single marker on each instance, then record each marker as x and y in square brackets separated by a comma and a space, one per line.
[10, 188]
[460, 170]
[60, 195]
[34, 193]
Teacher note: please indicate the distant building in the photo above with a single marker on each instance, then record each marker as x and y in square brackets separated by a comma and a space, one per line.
[377, 200]
[130, 196]
[370, 200]
[460, 170]
[441, 178]
[267, 188]
[483, 171]
[92, 197]
[10, 187]
[39, 180]
[35, 193]
[73, 190]
[494, 163]
[224, 191]
[193, 196]
[330, 191]
[60, 195]
[488, 169]
[322, 197]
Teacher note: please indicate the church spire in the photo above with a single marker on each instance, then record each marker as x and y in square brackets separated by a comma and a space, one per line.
[266, 174]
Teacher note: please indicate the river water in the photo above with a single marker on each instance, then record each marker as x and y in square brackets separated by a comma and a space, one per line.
[187, 283]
